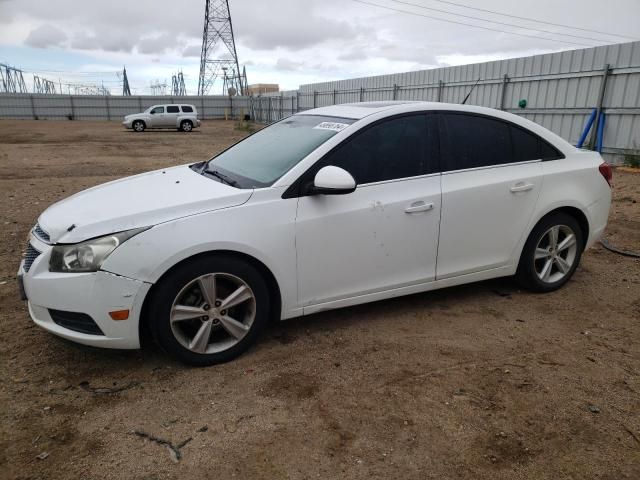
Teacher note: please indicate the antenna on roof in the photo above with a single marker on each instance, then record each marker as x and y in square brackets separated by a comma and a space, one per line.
[468, 94]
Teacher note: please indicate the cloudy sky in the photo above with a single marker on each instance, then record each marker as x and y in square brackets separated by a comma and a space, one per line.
[295, 42]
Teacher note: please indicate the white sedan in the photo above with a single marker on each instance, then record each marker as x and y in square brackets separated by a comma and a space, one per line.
[327, 208]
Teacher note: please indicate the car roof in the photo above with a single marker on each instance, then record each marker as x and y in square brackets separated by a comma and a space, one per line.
[174, 104]
[361, 110]
[356, 110]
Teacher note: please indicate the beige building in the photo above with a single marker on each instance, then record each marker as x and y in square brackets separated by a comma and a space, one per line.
[262, 88]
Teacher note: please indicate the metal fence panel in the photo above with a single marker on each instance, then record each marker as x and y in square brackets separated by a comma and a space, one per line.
[561, 89]
[98, 107]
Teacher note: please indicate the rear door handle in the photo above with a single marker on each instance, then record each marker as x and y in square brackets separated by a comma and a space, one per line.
[420, 206]
[521, 187]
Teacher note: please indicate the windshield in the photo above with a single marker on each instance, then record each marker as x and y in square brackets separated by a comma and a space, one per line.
[262, 158]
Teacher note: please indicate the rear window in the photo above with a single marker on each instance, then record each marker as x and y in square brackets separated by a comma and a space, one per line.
[173, 109]
[187, 109]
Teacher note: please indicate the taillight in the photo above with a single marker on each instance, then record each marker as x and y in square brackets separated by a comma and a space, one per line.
[607, 172]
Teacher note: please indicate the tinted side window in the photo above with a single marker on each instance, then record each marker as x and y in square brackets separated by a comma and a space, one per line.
[173, 109]
[397, 148]
[547, 152]
[187, 109]
[472, 141]
[158, 110]
[525, 145]
[528, 146]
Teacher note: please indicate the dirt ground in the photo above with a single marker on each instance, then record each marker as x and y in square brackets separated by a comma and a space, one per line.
[482, 381]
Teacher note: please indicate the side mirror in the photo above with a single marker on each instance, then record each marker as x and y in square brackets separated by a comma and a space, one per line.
[332, 180]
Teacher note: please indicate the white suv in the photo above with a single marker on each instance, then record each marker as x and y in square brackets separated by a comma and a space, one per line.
[182, 117]
[327, 208]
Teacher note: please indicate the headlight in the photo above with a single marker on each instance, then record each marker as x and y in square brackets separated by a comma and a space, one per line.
[88, 256]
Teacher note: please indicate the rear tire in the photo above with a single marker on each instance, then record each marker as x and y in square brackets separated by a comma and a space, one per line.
[209, 310]
[186, 126]
[551, 254]
[138, 126]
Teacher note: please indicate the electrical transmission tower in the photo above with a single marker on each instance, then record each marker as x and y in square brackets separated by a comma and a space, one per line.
[42, 85]
[177, 85]
[11, 80]
[218, 59]
[158, 88]
[126, 91]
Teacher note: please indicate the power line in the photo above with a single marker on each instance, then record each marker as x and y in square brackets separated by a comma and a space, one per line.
[534, 20]
[95, 73]
[537, 37]
[448, 12]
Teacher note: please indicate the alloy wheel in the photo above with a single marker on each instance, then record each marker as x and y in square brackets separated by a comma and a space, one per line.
[212, 313]
[555, 253]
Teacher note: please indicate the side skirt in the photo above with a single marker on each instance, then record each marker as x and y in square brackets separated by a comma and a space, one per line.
[421, 287]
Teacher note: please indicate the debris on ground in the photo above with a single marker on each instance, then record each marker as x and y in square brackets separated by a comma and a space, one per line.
[174, 450]
[106, 390]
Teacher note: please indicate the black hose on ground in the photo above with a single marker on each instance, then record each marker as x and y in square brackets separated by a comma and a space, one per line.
[614, 249]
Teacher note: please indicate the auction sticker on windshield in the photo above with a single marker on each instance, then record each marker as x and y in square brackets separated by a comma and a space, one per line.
[336, 127]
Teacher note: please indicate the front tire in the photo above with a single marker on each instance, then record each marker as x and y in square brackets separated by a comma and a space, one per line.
[138, 126]
[551, 254]
[186, 126]
[209, 310]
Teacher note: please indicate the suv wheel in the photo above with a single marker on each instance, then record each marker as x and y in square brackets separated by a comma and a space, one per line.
[551, 254]
[138, 126]
[209, 311]
[186, 126]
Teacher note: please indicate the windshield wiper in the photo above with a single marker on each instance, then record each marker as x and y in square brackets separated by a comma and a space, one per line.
[222, 177]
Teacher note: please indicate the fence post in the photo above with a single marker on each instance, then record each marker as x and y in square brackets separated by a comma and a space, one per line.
[73, 108]
[281, 102]
[140, 102]
[440, 89]
[315, 99]
[231, 106]
[106, 100]
[362, 94]
[292, 105]
[33, 108]
[505, 80]
[298, 101]
[269, 112]
[334, 97]
[395, 91]
[603, 86]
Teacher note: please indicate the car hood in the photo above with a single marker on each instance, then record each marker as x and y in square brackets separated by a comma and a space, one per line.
[138, 201]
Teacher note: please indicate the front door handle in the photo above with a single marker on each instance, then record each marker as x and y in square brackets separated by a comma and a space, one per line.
[420, 206]
[521, 187]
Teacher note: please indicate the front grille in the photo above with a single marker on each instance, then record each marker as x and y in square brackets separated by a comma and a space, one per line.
[78, 322]
[29, 256]
[41, 234]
